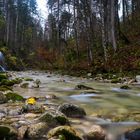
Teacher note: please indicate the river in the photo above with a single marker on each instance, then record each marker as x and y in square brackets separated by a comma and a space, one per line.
[106, 103]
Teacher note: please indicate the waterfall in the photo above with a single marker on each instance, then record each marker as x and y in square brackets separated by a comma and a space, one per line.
[2, 64]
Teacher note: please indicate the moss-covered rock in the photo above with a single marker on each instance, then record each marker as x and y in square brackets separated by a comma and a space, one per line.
[8, 133]
[72, 111]
[65, 132]
[14, 96]
[17, 80]
[28, 79]
[7, 82]
[5, 88]
[54, 118]
[37, 131]
[3, 76]
[125, 87]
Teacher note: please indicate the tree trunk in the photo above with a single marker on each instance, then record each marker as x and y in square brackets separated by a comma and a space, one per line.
[113, 25]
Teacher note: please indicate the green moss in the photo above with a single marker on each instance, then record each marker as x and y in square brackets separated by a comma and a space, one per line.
[17, 80]
[28, 79]
[3, 76]
[7, 82]
[61, 119]
[14, 96]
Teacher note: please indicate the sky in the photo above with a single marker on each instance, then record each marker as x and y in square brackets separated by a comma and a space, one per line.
[42, 8]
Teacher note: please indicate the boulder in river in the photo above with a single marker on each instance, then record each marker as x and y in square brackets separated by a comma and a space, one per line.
[83, 87]
[54, 118]
[72, 111]
[37, 131]
[64, 133]
[95, 133]
[133, 135]
[14, 96]
[125, 87]
[7, 132]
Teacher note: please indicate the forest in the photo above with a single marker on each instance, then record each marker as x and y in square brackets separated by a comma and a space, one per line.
[71, 73]
[98, 36]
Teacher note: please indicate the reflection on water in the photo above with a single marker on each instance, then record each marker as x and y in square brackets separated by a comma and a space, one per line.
[84, 97]
[112, 102]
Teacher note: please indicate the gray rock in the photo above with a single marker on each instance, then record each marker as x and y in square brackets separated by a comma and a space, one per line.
[36, 131]
[95, 133]
[15, 112]
[72, 111]
[133, 135]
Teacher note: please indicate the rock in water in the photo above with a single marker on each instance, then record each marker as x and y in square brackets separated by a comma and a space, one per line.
[133, 135]
[36, 131]
[8, 133]
[53, 118]
[83, 87]
[95, 133]
[72, 111]
[125, 87]
[63, 133]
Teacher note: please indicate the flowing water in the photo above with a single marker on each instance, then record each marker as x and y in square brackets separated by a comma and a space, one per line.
[103, 104]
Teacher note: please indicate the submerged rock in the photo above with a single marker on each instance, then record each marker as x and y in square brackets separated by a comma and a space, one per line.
[133, 135]
[63, 133]
[72, 111]
[95, 133]
[83, 87]
[8, 133]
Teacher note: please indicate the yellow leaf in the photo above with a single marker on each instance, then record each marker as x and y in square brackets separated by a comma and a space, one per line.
[31, 101]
